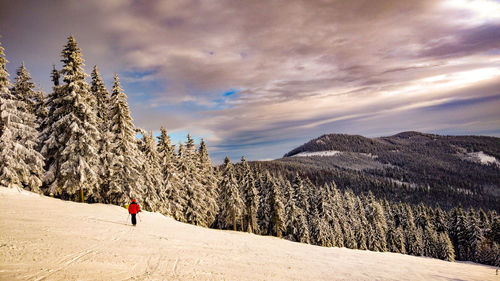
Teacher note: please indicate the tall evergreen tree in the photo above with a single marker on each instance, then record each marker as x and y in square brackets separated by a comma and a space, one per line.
[462, 236]
[20, 164]
[360, 231]
[72, 134]
[41, 110]
[196, 205]
[277, 207]
[264, 211]
[102, 107]
[444, 247]
[250, 197]
[474, 236]
[232, 206]
[166, 154]
[49, 106]
[376, 219]
[331, 200]
[103, 99]
[414, 243]
[24, 89]
[154, 189]
[125, 180]
[321, 231]
[297, 228]
[208, 180]
[440, 220]
[351, 219]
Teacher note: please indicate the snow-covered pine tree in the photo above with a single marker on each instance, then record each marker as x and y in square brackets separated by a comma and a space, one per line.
[209, 181]
[475, 236]
[24, 89]
[440, 220]
[232, 206]
[423, 222]
[350, 240]
[168, 160]
[277, 207]
[484, 222]
[430, 240]
[452, 226]
[55, 76]
[494, 233]
[395, 239]
[360, 231]
[102, 107]
[103, 99]
[489, 254]
[264, 210]
[250, 197]
[20, 164]
[194, 195]
[321, 231]
[297, 228]
[462, 236]
[50, 105]
[179, 193]
[331, 198]
[444, 247]
[413, 237]
[71, 135]
[41, 111]
[166, 153]
[301, 196]
[125, 180]
[376, 219]
[154, 198]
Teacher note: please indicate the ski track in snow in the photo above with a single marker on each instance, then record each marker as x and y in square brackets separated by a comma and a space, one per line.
[48, 239]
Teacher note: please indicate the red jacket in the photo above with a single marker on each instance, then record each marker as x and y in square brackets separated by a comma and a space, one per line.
[133, 208]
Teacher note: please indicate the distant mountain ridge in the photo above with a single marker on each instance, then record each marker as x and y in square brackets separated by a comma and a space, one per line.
[470, 162]
[360, 144]
[419, 167]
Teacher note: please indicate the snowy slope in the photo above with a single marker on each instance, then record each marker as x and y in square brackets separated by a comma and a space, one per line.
[317, 153]
[483, 158]
[48, 239]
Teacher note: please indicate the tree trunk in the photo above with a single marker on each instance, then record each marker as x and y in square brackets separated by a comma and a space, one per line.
[81, 194]
[234, 223]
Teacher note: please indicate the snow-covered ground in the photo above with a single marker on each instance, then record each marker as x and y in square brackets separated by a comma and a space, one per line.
[330, 153]
[317, 153]
[48, 239]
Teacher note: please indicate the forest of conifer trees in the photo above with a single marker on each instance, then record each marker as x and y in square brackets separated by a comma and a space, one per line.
[79, 143]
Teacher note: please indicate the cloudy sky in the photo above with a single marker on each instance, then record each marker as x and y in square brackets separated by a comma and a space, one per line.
[258, 78]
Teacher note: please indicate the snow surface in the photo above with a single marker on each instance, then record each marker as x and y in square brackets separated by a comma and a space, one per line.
[483, 158]
[317, 153]
[43, 238]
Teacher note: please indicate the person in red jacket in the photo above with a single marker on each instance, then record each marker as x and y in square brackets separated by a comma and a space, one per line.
[133, 209]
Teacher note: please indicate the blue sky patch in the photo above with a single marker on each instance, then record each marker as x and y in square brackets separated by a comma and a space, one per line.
[230, 93]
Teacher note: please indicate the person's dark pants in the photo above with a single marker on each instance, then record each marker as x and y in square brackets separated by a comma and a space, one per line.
[133, 219]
